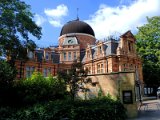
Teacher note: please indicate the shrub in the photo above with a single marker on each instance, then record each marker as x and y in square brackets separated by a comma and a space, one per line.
[95, 109]
[7, 73]
[101, 109]
[37, 88]
[32, 90]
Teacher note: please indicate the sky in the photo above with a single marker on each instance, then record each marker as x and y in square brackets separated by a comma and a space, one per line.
[106, 17]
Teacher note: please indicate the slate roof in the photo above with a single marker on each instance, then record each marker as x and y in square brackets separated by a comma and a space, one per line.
[109, 47]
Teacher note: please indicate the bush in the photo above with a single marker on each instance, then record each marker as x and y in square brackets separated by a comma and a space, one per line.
[102, 108]
[96, 109]
[7, 73]
[37, 88]
[32, 90]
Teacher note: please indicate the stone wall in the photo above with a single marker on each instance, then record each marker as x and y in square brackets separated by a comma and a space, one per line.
[115, 84]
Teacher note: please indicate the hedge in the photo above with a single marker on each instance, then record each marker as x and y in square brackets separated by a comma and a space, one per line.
[95, 109]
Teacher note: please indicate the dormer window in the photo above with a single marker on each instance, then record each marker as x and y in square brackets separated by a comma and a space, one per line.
[100, 49]
[130, 47]
[88, 54]
[47, 56]
[39, 56]
[30, 54]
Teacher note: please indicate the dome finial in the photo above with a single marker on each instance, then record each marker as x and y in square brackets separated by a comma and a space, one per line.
[77, 14]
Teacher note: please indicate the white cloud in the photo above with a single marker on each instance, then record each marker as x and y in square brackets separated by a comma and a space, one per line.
[55, 23]
[61, 10]
[55, 15]
[39, 19]
[108, 20]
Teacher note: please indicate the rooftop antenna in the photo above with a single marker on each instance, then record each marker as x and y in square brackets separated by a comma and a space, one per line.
[77, 14]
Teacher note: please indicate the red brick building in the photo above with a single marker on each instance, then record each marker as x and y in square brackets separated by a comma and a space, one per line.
[77, 40]
[113, 64]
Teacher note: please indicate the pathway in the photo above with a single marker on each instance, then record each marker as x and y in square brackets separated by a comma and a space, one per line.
[149, 111]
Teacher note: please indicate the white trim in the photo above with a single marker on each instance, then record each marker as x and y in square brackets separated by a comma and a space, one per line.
[73, 34]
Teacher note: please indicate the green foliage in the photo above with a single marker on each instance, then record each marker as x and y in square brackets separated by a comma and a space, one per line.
[7, 73]
[75, 78]
[100, 93]
[101, 109]
[148, 47]
[151, 74]
[16, 25]
[36, 76]
[148, 40]
[38, 88]
[7, 113]
[33, 90]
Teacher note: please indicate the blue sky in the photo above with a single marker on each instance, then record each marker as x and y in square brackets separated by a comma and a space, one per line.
[106, 17]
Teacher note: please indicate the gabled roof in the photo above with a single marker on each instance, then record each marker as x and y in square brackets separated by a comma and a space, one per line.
[128, 34]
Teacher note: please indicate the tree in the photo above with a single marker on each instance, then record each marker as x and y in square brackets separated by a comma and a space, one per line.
[7, 73]
[16, 27]
[148, 47]
[76, 78]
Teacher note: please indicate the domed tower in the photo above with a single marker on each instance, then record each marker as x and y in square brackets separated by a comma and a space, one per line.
[75, 36]
[79, 29]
